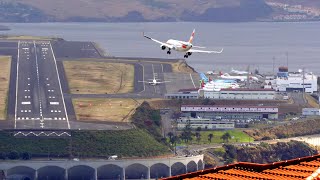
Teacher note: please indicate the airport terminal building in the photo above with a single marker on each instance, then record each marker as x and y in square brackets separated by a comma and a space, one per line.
[230, 112]
[292, 81]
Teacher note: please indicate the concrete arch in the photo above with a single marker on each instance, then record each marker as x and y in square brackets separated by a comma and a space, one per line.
[159, 170]
[137, 171]
[21, 172]
[51, 173]
[192, 166]
[110, 171]
[81, 172]
[200, 165]
[178, 168]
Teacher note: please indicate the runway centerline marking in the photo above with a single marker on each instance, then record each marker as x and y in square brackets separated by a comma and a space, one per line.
[38, 79]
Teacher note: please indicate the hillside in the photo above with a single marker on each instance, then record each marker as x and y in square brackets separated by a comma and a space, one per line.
[260, 153]
[151, 10]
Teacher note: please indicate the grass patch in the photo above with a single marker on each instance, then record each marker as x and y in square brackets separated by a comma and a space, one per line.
[86, 144]
[99, 77]
[114, 110]
[238, 136]
[5, 66]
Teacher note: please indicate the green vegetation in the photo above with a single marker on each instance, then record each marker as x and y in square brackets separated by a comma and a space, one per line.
[267, 153]
[307, 127]
[149, 119]
[217, 137]
[262, 153]
[83, 144]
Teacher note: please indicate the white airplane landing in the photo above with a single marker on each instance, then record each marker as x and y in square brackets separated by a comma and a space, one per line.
[154, 82]
[181, 46]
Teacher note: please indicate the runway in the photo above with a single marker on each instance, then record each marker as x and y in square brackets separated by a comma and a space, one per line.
[39, 97]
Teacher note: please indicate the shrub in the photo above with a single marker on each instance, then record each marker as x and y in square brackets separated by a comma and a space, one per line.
[13, 155]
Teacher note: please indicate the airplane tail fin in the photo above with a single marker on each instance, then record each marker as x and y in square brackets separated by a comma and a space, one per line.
[192, 36]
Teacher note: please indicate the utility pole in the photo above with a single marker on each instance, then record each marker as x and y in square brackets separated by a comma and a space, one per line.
[273, 61]
[303, 76]
[287, 54]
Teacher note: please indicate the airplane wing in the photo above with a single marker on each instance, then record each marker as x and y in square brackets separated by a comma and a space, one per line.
[201, 47]
[159, 42]
[202, 51]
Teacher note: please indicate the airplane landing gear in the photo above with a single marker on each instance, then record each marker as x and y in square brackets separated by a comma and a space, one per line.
[169, 51]
[186, 56]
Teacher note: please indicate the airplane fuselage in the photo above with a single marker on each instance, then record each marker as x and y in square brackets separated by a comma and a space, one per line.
[180, 46]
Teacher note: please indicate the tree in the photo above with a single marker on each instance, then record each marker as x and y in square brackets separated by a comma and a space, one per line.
[225, 137]
[186, 135]
[170, 134]
[25, 156]
[230, 153]
[198, 137]
[13, 155]
[3, 155]
[210, 136]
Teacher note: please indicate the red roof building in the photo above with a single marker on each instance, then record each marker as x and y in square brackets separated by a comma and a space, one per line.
[302, 168]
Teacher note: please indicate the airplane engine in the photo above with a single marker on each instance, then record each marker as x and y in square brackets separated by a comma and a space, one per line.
[163, 47]
[189, 53]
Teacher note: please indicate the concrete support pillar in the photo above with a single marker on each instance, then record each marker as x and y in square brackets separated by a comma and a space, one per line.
[149, 173]
[36, 175]
[186, 169]
[66, 174]
[95, 174]
[170, 171]
[124, 173]
[5, 173]
[203, 164]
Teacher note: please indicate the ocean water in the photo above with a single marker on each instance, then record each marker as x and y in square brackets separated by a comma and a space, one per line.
[260, 45]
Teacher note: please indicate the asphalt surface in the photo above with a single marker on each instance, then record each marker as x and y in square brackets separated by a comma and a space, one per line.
[75, 49]
[186, 81]
[298, 98]
[39, 98]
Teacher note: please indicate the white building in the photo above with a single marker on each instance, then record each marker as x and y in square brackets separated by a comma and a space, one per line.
[239, 94]
[183, 94]
[230, 112]
[310, 112]
[294, 81]
[204, 124]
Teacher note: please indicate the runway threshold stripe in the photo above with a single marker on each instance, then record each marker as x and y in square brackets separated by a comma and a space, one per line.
[26, 102]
